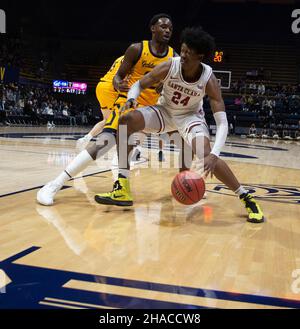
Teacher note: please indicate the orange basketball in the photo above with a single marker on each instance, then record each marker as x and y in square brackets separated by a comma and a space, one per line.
[188, 187]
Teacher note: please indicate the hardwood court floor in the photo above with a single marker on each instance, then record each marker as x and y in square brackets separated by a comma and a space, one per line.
[156, 254]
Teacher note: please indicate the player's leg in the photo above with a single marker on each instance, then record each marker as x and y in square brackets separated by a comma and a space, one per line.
[136, 155]
[201, 146]
[106, 96]
[143, 119]
[161, 157]
[163, 138]
[186, 153]
[105, 141]
[112, 123]
[186, 156]
[222, 171]
[95, 131]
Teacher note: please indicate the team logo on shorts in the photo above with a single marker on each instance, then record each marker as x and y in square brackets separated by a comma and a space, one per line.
[266, 192]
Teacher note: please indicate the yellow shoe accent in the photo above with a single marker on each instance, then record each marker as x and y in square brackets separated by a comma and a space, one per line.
[119, 196]
[255, 214]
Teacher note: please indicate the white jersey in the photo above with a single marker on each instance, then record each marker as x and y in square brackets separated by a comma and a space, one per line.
[179, 97]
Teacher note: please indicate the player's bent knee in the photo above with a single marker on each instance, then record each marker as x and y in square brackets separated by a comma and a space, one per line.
[133, 120]
[105, 141]
[92, 150]
[201, 146]
[206, 146]
[126, 119]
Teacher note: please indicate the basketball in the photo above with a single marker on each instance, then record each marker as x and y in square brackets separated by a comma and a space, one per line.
[188, 187]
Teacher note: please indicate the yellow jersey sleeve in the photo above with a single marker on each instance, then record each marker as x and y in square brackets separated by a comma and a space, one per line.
[108, 77]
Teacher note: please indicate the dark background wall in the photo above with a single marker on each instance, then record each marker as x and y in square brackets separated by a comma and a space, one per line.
[94, 33]
[117, 20]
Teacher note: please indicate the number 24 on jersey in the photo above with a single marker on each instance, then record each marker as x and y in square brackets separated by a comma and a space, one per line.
[177, 99]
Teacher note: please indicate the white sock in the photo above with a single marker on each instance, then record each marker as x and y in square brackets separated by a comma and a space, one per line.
[75, 167]
[241, 190]
[82, 160]
[115, 166]
[124, 172]
[62, 178]
[115, 161]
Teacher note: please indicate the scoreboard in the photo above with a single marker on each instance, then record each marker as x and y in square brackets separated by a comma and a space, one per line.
[219, 56]
[69, 87]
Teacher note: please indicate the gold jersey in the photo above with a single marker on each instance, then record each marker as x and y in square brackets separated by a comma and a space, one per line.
[105, 91]
[108, 77]
[145, 64]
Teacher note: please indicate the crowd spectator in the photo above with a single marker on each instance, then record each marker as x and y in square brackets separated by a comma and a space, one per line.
[252, 131]
[267, 100]
[39, 106]
[265, 132]
[261, 89]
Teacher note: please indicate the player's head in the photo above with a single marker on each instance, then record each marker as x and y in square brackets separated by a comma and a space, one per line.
[161, 27]
[196, 45]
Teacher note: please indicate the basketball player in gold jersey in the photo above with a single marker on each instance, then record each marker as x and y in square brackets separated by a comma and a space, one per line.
[142, 57]
[106, 95]
[139, 59]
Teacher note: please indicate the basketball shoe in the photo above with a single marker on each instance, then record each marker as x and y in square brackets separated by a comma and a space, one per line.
[45, 195]
[120, 195]
[255, 214]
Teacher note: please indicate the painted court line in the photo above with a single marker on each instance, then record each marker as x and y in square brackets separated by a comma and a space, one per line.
[71, 302]
[160, 296]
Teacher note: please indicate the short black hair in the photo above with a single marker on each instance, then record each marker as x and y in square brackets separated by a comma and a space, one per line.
[156, 17]
[199, 40]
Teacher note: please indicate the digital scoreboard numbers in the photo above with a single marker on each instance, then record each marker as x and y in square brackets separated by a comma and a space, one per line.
[219, 56]
[69, 87]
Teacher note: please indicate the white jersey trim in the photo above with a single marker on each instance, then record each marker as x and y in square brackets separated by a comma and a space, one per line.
[208, 77]
[202, 76]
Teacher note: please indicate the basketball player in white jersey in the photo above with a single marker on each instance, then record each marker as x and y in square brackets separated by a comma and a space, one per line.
[186, 80]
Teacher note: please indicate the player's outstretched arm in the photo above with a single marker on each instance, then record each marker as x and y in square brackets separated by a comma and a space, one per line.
[157, 75]
[130, 59]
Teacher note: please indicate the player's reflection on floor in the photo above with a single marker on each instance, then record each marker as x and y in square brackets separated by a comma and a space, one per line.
[114, 238]
[153, 217]
[91, 238]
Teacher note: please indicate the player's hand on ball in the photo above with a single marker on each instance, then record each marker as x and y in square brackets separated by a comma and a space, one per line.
[210, 162]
